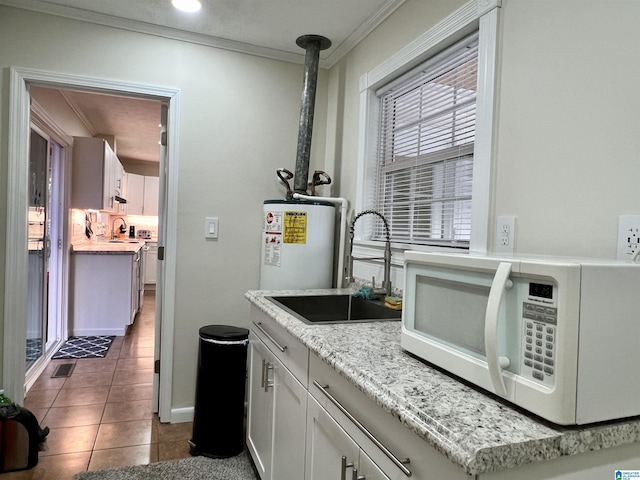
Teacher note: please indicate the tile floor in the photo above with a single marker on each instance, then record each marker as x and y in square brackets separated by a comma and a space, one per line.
[100, 416]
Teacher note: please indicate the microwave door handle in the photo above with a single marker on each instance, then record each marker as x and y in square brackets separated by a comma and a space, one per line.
[496, 363]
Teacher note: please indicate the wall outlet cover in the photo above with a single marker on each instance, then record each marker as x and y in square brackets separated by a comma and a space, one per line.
[505, 234]
[628, 236]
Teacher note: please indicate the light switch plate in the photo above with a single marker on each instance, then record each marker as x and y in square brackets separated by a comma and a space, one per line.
[211, 227]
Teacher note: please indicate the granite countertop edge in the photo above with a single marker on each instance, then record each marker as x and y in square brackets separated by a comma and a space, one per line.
[487, 435]
[106, 248]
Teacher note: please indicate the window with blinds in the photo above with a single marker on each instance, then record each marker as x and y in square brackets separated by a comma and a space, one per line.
[424, 165]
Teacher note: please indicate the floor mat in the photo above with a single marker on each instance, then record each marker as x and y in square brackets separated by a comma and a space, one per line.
[85, 347]
[194, 468]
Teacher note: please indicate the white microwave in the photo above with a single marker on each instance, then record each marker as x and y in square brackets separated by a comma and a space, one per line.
[557, 337]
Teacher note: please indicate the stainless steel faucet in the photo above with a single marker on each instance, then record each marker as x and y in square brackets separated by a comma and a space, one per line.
[386, 283]
[113, 226]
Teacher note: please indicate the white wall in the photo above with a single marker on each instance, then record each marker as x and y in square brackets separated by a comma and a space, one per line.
[239, 122]
[568, 142]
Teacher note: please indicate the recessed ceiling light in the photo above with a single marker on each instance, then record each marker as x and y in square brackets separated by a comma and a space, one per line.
[187, 5]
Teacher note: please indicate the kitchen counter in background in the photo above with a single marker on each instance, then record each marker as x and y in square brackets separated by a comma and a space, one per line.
[474, 430]
[126, 247]
[106, 287]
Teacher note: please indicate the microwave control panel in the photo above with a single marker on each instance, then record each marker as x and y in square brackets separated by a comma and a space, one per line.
[539, 342]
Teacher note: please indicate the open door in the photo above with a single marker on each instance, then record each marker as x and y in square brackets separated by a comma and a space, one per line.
[162, 235]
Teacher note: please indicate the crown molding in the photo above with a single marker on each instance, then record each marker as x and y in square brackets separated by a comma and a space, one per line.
[151, 29]
[361, 32]
[207, 40]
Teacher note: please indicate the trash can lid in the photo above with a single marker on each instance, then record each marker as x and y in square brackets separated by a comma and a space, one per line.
[223, 332]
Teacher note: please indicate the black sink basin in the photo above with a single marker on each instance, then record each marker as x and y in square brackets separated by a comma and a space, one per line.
[124, 241]
[314, 309]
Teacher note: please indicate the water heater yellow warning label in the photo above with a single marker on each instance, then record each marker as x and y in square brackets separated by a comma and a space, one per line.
[295, 227]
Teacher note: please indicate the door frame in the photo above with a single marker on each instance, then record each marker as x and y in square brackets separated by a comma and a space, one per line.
[44, 125]
[15, 307]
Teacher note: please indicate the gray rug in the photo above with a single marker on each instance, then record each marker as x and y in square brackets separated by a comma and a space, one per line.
[194, 468]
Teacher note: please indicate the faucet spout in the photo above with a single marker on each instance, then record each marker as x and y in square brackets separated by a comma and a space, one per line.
[386, 283]
[123, 227]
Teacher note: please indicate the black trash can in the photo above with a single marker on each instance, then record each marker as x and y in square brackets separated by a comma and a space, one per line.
[218, 423]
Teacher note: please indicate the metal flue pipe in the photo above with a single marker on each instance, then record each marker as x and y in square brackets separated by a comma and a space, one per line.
[313, 44]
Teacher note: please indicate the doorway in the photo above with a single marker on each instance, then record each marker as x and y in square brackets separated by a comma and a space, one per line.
[16, 266]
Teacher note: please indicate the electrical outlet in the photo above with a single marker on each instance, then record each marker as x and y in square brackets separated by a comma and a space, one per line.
[628, 236]
[505, 234]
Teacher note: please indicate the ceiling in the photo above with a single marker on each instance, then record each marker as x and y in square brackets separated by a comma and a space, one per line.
[256, 27]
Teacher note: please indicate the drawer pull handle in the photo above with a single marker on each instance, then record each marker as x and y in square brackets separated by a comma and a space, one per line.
[343, 468]
[268, 367]
[261, 328]
[398, 463]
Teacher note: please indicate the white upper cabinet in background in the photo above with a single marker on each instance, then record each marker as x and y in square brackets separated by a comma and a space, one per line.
[151, 185]
[142, 194]
[97, 174]
[135, 193]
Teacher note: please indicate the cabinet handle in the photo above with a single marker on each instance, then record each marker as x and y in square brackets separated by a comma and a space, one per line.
[343, 468]
[355, 476]
[261, 328]
[264, 368]
[268, 367]
[397, 462]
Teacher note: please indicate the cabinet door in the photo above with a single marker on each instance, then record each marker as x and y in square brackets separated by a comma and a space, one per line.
[119, 177]
[260, 414]
[367, 470]
[89, 177]
[108, 190]
[135, 271]
[289, 424]
[331, 453]
[151, 192]
[134, 194]
[151, 263]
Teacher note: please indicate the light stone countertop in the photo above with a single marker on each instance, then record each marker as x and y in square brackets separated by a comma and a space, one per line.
[127, 247]
[472, 428]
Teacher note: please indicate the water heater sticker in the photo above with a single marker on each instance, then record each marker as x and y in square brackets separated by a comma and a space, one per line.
[272, 249]
[295, 227]
[273, 222]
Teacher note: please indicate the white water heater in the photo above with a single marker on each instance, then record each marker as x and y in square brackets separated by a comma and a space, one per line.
[297, 245]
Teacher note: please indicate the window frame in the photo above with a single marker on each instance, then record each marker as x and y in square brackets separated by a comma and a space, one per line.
[425, 142]
[480, 16]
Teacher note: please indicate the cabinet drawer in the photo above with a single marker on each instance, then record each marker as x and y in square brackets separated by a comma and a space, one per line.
[290, 351]
[425, 462]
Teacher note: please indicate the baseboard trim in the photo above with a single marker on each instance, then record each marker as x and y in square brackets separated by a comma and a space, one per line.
[182, 415]
[187, 414]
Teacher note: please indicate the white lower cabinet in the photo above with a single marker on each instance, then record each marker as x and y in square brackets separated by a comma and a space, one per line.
[105, 293]
[150, 263]
[260, 413]
[387, 450]
[331, 453]
[369, 470]
[276, 416]
[308, 422]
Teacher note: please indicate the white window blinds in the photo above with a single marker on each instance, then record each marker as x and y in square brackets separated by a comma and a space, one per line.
[424, 165]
